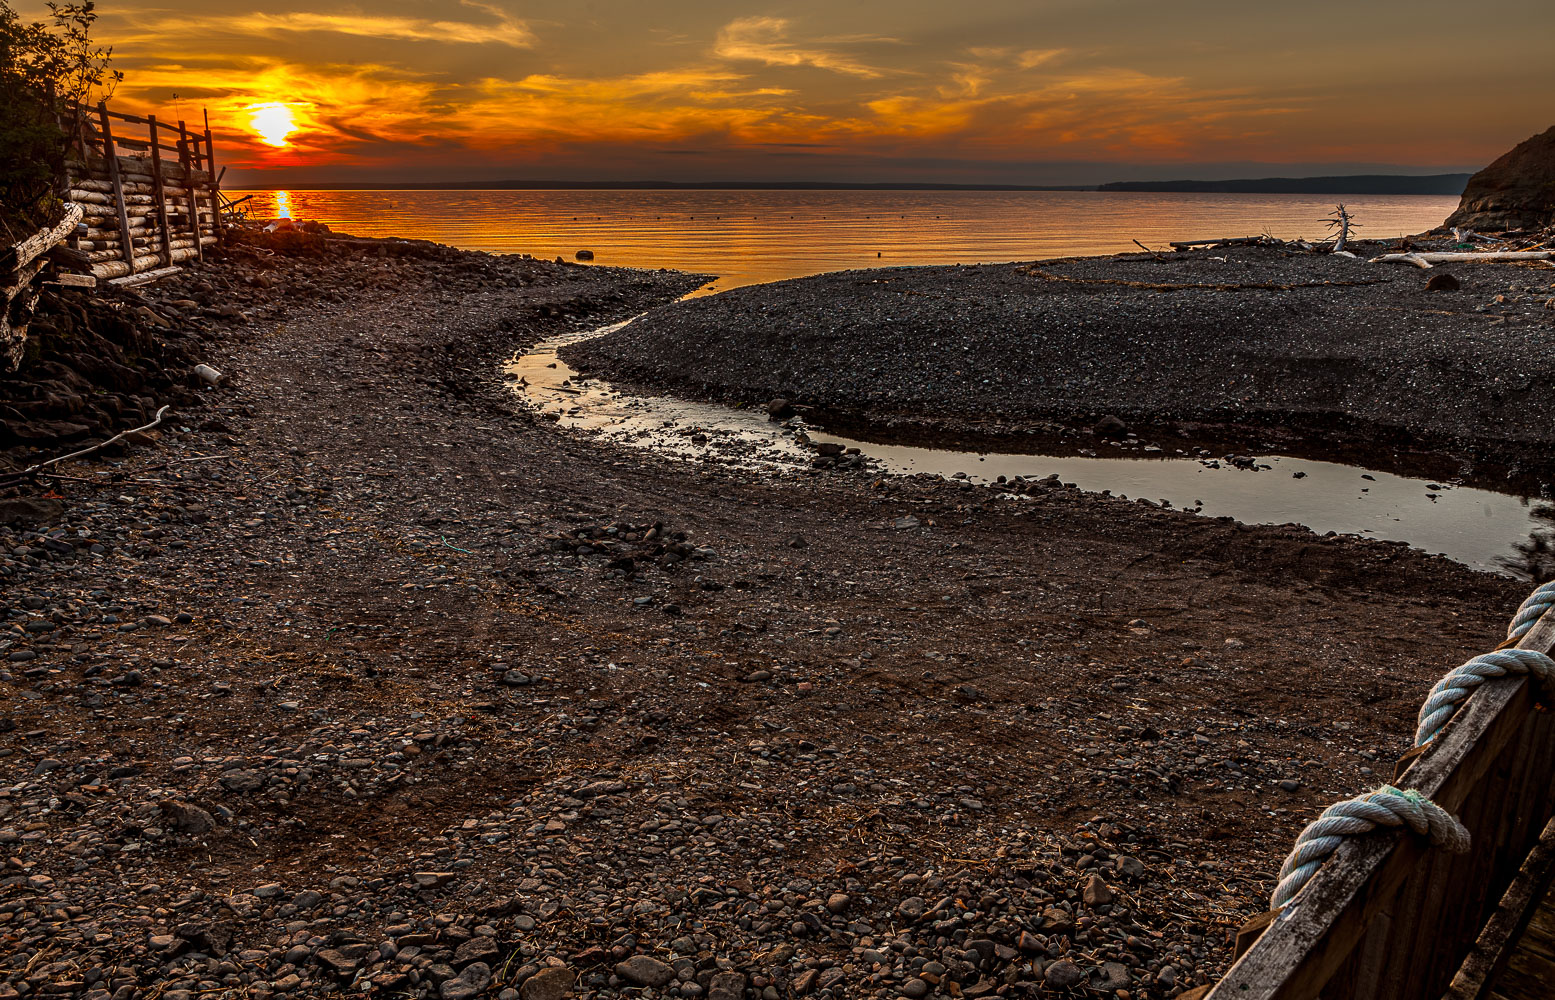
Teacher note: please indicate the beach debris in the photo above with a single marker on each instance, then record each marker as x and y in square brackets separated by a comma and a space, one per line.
[97, 447]
[208, 375]
[1443, 283]
[1226, 241]
[1427, 259]
[1341, 221]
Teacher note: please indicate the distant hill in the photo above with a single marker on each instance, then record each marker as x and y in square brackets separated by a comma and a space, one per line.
[1354, 184]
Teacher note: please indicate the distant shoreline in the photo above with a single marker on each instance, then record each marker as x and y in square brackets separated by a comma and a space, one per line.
[652, 186]
[1430, 184]
[1436, 184]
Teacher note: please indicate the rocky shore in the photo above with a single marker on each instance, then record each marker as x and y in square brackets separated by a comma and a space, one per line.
[1252, 348]
[356, 676]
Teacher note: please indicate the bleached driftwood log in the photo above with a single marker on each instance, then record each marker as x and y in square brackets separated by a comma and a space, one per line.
[1420, 259]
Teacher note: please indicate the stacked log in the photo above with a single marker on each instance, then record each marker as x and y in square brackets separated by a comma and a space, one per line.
[160, 233]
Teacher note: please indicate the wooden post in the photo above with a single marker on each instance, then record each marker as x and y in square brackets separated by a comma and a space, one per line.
[112, 156]
[184, 143]
[159, 192]
[210, 168]
[1389, 918]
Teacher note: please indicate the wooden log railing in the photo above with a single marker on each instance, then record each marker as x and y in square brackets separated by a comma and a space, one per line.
[143, 213]
[1387, 917]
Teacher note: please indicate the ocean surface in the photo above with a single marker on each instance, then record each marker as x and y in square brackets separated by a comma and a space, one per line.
[746, 237]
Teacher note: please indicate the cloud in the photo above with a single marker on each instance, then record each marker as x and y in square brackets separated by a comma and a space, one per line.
[501, 29]
[1032, 58]
[456, 87]
[765, 40]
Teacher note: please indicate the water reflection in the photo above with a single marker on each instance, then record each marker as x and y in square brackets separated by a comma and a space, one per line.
[1534, 558]
[1477, 527]
[753, 236]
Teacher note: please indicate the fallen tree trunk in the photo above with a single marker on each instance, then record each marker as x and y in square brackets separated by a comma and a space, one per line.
[1420, 259]
[27, 250]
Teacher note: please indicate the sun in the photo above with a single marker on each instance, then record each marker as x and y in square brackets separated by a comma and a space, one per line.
[273, 122]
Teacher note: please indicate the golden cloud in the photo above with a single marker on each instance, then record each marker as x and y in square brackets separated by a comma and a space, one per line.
[765, 40]
[501, 29]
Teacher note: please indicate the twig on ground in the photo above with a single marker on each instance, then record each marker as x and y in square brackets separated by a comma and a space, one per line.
[96, 447]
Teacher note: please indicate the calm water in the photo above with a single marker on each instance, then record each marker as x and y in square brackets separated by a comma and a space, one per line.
[753, 236]
[1480, 528]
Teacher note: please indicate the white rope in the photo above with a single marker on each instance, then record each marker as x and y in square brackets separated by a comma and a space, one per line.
[1452, 691]
[1392, 808]
[1385, 807]
[1533, 606]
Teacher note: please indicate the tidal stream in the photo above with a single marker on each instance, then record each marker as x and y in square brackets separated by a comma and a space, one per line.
[1480, 528]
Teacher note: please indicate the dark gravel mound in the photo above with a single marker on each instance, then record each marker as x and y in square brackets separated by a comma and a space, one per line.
[1517, 191]
[1248, 344]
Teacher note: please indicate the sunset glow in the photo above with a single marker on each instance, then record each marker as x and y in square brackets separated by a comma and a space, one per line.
[1006, 91]
[273, 123]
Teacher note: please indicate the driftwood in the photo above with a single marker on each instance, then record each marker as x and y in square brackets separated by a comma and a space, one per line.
[29, 249]
[1420, 259]
[1035, 272]
[1228, 241]
[1342, 220]
[146, 277]
[96, 447]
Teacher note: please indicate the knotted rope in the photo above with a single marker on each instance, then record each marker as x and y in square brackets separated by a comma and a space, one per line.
[1533, 606]
[1391, 807]
[1452, 691]
[1387, 806]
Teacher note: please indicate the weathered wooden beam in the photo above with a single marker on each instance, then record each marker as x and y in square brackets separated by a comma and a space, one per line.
[73, 281]
[34, 246]
[194, 208]
[112, 157]
[145, 277]
[1356, 891]
[210, 168]
[1477, 976]
[159, 193]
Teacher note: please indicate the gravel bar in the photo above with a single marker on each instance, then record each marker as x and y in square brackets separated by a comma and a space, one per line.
[1242, 347]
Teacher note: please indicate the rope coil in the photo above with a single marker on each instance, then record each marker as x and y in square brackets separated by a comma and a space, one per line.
[1452, 691]
[1530, 611]
[1385, 807]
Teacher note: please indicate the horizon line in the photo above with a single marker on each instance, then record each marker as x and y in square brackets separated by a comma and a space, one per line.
[745, 185]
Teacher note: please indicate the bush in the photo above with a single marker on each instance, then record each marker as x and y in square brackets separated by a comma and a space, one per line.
[49, 71]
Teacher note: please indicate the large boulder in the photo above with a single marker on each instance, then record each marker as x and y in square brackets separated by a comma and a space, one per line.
[1515, 192]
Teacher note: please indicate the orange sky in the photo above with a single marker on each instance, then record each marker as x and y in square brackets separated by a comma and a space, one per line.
[1005, 91]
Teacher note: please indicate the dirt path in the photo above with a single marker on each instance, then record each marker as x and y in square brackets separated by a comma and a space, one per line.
[407, 688]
